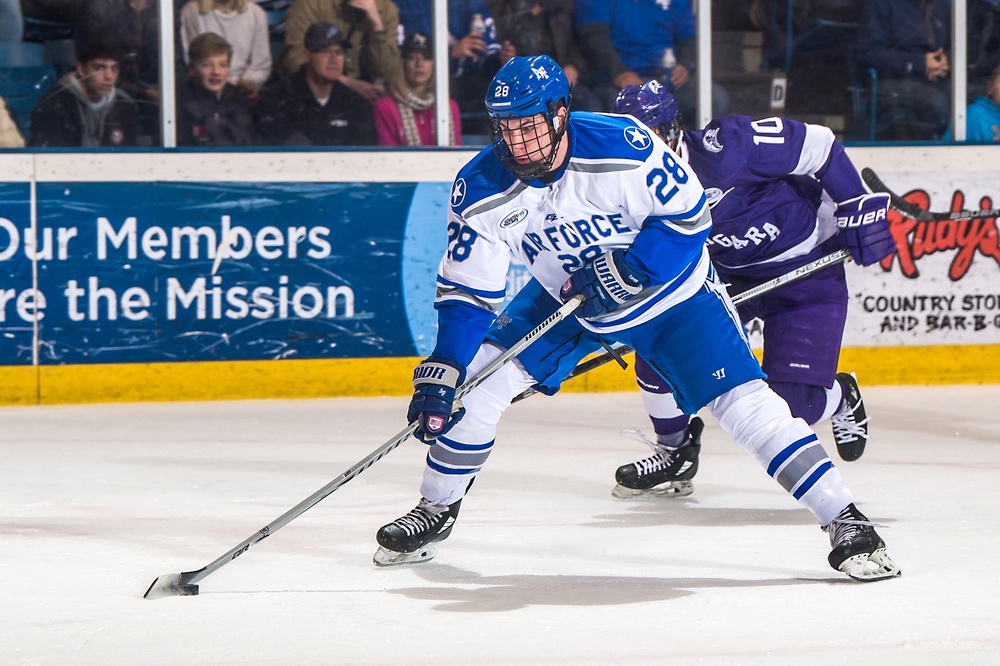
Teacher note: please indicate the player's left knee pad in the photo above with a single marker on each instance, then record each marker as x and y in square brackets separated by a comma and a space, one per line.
[751, 413]
[486, 403]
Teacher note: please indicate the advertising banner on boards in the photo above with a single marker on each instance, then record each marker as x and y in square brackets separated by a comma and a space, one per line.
[18, 301]
[942, 286]
[144, 272]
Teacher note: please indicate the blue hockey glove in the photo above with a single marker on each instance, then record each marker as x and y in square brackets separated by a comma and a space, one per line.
[605, 284]
[433, 403]
[864, 228]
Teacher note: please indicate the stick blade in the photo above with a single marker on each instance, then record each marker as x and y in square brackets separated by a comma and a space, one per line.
[170, 585]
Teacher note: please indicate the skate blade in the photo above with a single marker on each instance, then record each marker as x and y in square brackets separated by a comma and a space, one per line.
[852, 451]
[390, 558]
[669, 489]
[870, 567]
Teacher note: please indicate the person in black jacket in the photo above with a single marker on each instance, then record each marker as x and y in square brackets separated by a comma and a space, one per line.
[85, 108]
[210, 110]
[909, 43]
[313, 107]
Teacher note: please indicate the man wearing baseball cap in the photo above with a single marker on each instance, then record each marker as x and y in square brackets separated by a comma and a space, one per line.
[314, 107]
[369, 25]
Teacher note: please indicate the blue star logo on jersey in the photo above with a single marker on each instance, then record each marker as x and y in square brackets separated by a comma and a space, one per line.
[458, 192]
[637, 138]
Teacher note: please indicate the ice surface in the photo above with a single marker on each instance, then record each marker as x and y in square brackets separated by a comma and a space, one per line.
[544, 566]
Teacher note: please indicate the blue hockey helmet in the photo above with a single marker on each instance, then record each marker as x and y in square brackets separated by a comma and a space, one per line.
[652, 104]
[526, 87]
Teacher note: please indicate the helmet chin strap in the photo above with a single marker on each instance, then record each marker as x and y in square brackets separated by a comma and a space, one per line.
[677, 145]
[557, 133]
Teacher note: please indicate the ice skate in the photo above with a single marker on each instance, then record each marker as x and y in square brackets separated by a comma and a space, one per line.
[858, 550]
[850, 424]
[411, 538]
[666, 473]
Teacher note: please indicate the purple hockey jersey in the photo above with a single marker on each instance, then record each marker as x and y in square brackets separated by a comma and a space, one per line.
[773, 185]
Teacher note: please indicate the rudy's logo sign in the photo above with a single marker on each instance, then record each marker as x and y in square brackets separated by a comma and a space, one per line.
[918, 239]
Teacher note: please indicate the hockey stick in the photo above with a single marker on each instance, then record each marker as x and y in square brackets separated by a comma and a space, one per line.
[919, 214]
[791, 276]
[185, 583]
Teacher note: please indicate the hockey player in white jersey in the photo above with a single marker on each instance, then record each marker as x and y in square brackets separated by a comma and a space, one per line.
[592, 205]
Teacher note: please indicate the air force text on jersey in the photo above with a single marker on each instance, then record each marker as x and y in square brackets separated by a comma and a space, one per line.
[494, 216]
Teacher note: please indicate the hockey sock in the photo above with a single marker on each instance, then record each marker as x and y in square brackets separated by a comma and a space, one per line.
[761, 423]
[835, 400]
[669, 422]
[454, 459]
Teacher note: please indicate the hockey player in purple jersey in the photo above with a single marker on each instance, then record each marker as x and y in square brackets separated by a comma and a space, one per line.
[593, 206]
[783, 194]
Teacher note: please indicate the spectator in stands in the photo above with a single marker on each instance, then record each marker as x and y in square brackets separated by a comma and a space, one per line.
[908, 42]
[982, 118]
[984, 43]
[406, 116]
[85, 108]
[628, 43]
[135, 24]
[476, 55]
[544, 27]
[210, 110]
[369, 25]
[10, 137]
[314, 107]
[11, 21]
[241, 23]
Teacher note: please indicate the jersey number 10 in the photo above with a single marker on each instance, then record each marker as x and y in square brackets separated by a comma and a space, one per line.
[765, 129]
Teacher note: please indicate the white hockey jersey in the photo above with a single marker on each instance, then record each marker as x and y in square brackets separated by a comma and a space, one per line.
[617, 181]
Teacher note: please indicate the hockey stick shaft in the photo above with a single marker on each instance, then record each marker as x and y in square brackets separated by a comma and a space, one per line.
[185, 583]
[919, 214]
[791, 276]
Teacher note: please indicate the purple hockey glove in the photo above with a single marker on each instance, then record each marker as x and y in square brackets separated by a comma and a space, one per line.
[605, 284]
[864, 228]
[433, 403]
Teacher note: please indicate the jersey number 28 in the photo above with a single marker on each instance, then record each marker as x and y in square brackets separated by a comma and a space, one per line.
[660, 180]
[460, 240]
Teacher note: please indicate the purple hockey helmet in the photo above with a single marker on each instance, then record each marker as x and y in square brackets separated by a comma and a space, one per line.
[652, 104]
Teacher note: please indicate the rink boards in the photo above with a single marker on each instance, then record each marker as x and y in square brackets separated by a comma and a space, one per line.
[189, 276]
